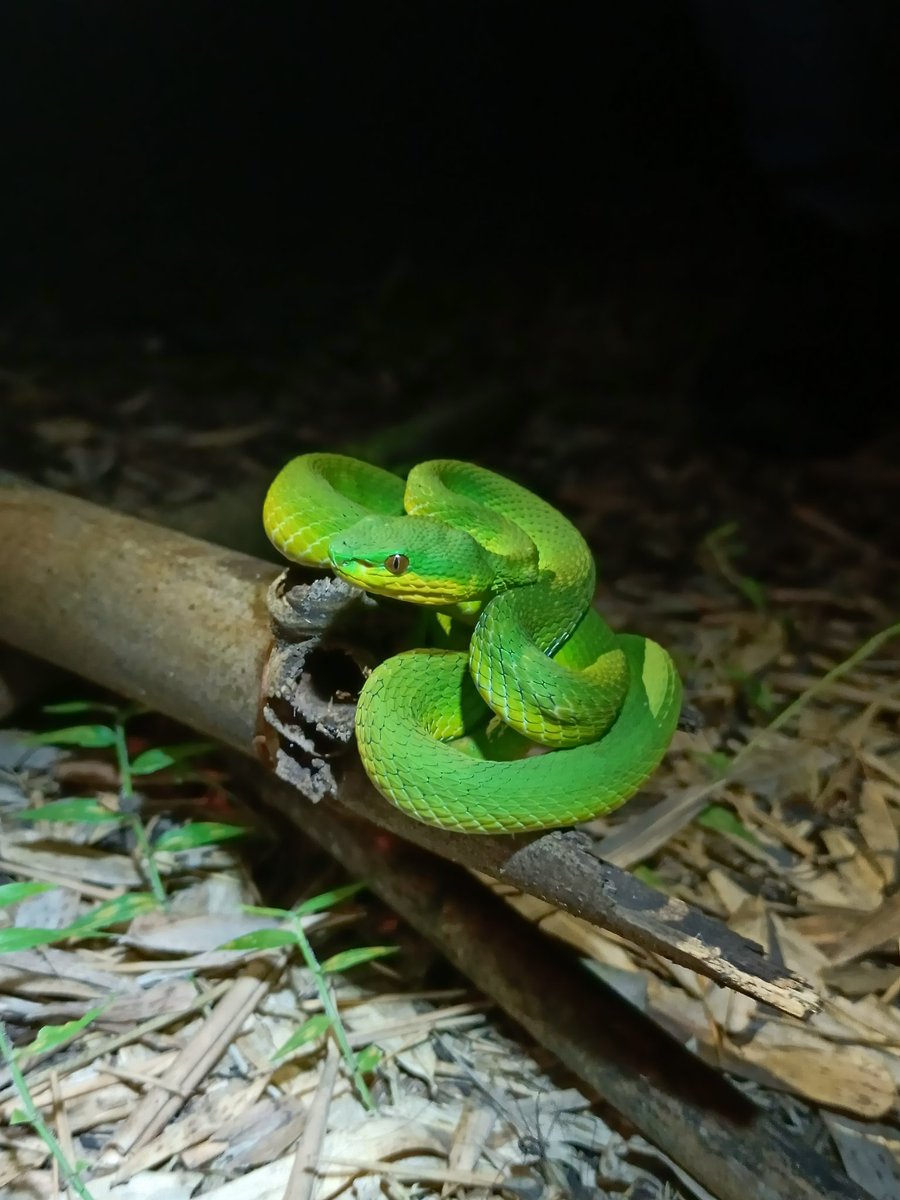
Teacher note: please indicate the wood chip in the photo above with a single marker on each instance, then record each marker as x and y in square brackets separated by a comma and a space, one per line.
[847, 1078]
[878, 829]
[871, 932]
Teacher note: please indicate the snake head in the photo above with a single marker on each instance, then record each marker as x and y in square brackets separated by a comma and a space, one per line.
[418, 559]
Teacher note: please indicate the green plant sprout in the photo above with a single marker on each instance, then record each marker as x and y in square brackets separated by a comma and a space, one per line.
[89, 810]
[723, 549]
[646, 874]
[121, 910]
[720, 819]
[29, 1113]
[292, 933]
[94, 923]
[756, 690]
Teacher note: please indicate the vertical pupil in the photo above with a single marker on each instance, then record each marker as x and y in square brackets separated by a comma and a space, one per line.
[396, 563]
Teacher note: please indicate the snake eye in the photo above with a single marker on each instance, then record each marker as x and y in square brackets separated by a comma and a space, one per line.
[396, 563]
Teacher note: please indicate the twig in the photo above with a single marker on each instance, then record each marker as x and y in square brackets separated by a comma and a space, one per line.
[302, 1179]
[159, 1105]
[98, 1050]
[407, 1174]
[93, 890]
[61, 1117]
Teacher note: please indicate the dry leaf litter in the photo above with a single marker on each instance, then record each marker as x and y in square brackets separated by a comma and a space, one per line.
[790, 836]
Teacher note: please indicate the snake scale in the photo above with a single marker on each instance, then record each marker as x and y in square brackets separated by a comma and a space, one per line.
[519, 661]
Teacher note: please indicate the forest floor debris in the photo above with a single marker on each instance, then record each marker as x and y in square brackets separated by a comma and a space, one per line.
[764, 580]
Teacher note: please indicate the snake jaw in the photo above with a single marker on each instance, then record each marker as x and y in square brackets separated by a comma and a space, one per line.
[406, 558]
[373, 577]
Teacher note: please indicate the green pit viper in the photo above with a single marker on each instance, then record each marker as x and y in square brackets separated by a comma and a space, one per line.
[449, 735]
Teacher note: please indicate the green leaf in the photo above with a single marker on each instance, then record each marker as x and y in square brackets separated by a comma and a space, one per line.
[369, 1058]
[12, 893]
[261, 939]
[78, 706]
[725, 547]
[258, 910]
[309, 1031]
[90, 737]
[758, 693]
[353, 958]
[50, 1037]
[118, 911]
[754, 591]
[200, 833]
[159, 757]
[18, 1117]
[85, 809]
[717, 760]
[722, 533]
[722, 820]
[25, 938]
[328, 899]
[149, 761]
[647, 875]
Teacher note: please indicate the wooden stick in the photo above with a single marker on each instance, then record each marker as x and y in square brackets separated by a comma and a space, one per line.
[302, 1180]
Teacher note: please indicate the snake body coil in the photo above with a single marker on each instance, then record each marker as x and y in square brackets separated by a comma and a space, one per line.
[445, 734]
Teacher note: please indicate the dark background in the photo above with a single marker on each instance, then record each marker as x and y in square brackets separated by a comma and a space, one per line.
[230, 167]
[233, 179]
